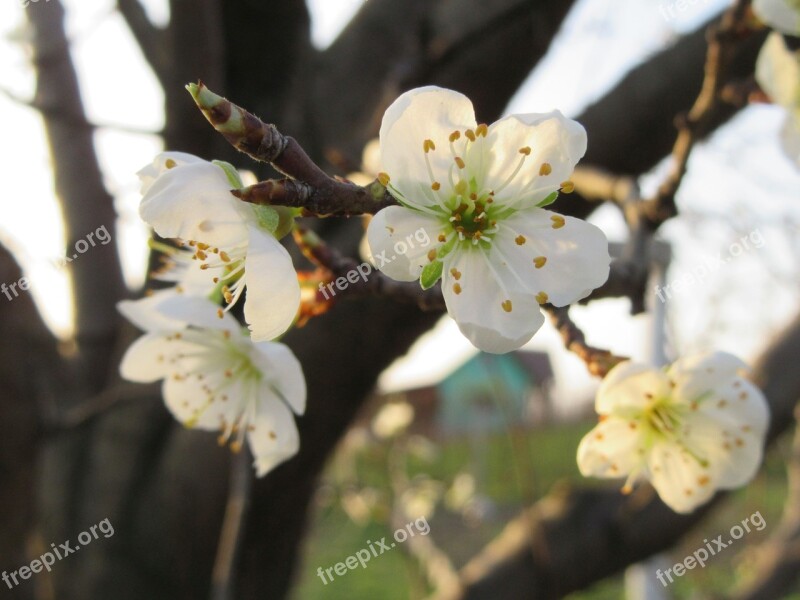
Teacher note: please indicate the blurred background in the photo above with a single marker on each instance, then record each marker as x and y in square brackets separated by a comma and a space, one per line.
[410, 420]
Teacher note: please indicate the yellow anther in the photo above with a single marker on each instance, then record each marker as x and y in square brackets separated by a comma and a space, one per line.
[384, 179]
[540, 261]
[542, 297]
[455, 136]
[558, 221]
[170, 164]
[455, 273]
[470, 134]
[526, 150]
[567, 187]
[428, 145]
[545, 169]
[507, 306]
[482, 129]
[460, 162]
[220, 313]
[436, 186]
[520, 239]
[432, 255]
[442, 238]
[457, 288]
[224, 256]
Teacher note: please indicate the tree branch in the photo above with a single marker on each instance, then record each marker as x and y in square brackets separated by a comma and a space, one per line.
[151, 40]
[86, 204]
[724, 40]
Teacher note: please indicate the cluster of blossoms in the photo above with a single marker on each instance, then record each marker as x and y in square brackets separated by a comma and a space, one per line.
[216, 376]
[690, 429]
[479, 192]
[778, 67]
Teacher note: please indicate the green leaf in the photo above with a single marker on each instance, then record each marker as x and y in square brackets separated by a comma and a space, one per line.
[431, 274]
[268, 218]
[549, 200]
[231, 173]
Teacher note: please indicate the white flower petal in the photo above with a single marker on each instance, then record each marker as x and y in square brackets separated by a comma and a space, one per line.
[494, 319]
[782, 15]
[147, 175]
[630, 386]
[700, 374]
[273, 292]
[733, 452]
[553, 140]
[611, 449]
[391, 233]
[188, 400]
[146, 360]
[283, 372]
[274, 437]
[681, 482]
[424, 113]
[566, 262]
[193, 202]
[198, 312]
[144, 313]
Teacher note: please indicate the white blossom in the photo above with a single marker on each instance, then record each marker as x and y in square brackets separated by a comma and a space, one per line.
[230, 241]
[691, 429]
[478, 191]
[216, 378]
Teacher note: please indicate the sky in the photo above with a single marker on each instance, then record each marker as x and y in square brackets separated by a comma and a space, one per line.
[739, 184]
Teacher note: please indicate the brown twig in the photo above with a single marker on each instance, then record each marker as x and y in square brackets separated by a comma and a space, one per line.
[599, 362]
[723, 39]
[230, 540]
[341, 199]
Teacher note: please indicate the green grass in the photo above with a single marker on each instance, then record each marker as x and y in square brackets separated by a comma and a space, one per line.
[548, 457]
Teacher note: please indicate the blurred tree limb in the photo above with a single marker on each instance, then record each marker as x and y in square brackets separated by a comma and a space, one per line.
[85, 203]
